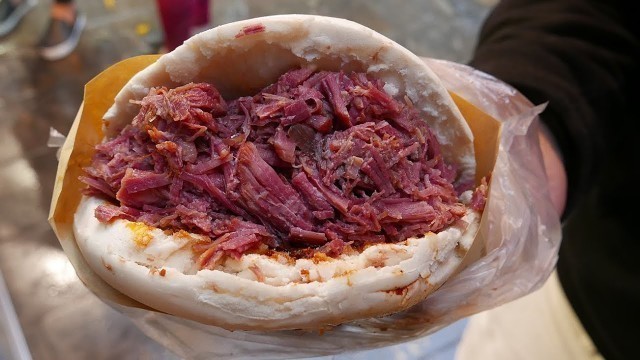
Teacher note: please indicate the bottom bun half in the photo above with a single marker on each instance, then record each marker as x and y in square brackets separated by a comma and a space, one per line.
[268, 292]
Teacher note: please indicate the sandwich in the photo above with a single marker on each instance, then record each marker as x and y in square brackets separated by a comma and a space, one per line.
[285, 172]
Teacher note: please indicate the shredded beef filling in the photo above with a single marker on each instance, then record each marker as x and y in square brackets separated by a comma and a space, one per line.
[318, 161]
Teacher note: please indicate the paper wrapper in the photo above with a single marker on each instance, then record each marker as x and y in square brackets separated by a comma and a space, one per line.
[513, 254]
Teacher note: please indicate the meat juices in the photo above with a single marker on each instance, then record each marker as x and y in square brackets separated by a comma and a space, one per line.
[312, 163]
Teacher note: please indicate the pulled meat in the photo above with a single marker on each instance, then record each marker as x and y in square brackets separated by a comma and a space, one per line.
[316, 161]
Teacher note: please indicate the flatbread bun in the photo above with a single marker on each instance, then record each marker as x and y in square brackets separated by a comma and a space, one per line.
[274, 292]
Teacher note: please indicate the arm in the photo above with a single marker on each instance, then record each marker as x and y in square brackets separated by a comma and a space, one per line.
[574, 54]
[554, 168]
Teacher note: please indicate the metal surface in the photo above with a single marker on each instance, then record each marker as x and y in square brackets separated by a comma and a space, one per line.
[59, 317]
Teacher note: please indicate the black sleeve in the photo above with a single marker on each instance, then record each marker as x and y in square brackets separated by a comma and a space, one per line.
[581, 57]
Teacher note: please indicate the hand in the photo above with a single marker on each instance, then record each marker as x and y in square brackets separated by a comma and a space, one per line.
[554, 168]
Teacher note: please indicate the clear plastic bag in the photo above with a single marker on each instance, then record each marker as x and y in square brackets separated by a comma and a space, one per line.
[517, 250]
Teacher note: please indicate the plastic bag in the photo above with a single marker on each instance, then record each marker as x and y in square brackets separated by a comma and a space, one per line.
[514, 254]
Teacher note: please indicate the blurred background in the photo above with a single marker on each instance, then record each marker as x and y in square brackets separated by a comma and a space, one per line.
[45, 311]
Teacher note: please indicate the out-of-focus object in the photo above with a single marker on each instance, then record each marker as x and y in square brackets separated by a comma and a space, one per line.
[13, 345]
[11, 12]
[541, 325]
[62, 34]
[109, 4]
[182, 19]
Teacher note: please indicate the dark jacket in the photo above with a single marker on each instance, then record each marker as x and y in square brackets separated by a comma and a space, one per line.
[583, 58]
